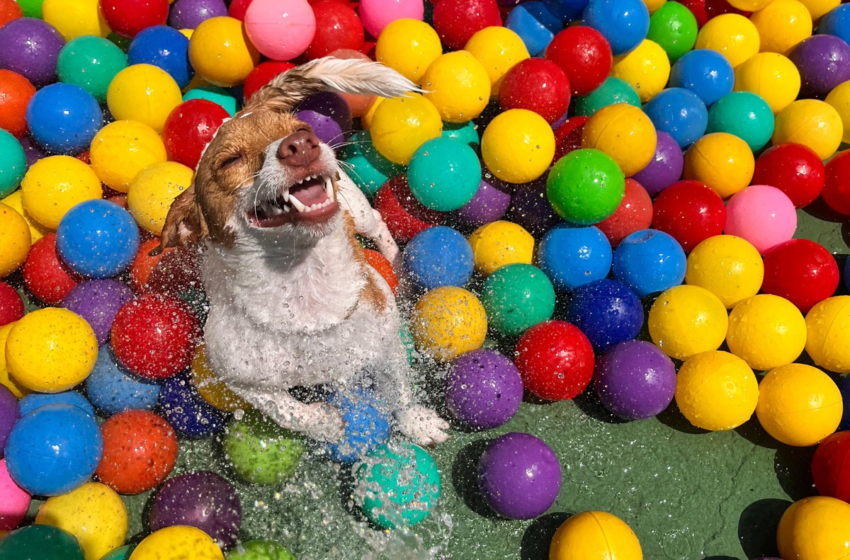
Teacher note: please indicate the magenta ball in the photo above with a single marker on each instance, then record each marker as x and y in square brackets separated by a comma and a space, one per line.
[762, 215]
[483, 389]
[189, 14]
[328, 115]
[635, 380]
[823, 62]
[10, 411]
[488, 205]
[98, 301]
[665, 168]
[519, 476]
[377, 14]
[30, 47]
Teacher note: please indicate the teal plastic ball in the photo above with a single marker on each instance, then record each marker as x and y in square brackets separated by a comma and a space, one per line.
[216, 95]
[465, 132]
[585, 186]
[367, 168]
[444, 174]
[612, 91]
[13, 163]
[91, 63]
[516, 297]
[744, 114]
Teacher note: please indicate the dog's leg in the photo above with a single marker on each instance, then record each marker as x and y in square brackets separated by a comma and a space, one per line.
[319, 421]
[367, 221]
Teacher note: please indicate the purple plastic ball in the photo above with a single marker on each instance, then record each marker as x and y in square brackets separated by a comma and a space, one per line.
[329, 116]
[189, 14]
[98, 301]
[519, 476]
[665, 168]
[635, 380]
[483, 389]
[31, 150]
[823, 62]
[530, 208]
[10, 411]
[30, 47]
[488, 205]
[199, 499]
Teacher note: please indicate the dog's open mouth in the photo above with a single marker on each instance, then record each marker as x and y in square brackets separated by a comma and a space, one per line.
[310, 200]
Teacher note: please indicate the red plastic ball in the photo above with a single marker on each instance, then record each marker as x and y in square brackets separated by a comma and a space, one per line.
[403, 214]
[9, 10]
[831, 466]
[836, 189]
[704, 10]
[689, 211]
[155, 336]
[15, 94]
[139, 451]
[456, 21]
[568, 136]
[189, 128]
[129, 17]
[633, 214]
[794, 169]
[537, 85]
[11, 304]
[261, 75]
[238, 8]
[176, 270]
[584, 55]
[46, 276]
[555, 360]
[337, 27]
[801, 271]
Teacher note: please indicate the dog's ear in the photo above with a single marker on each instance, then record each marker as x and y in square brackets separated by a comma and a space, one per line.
[184, 223]
[359, 77]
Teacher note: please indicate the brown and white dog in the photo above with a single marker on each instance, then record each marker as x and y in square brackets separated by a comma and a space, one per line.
[293, 301]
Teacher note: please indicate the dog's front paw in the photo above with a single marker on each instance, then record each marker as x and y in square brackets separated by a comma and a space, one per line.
[422, 425]
[326, 423]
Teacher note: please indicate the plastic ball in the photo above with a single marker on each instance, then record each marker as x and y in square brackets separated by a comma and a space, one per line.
[123, 148]
[687, 320]
[50, 542]
[727, 266]
[458, 86]
[518, 146]
[744, 114]
[152, 192]
[836, 193]
[799, 405]
[680, 113]
[716, 391]
[260, 451]
[129, 17]
[483, 389]
[13, 164]
[584, 55]
[836, 22]
[498, 49]
[199, 499]
[690, 212]
[15, 202]
[722, 161]
[447, 322]
[624, 23]
[211, 388]
[35, 400]
[586, 185]
[649, 261]
[519, 476]
[705, 72]
[404, 216]
[538, 85]
[97, 238]
[801, 271]
[10, 10]
[400, 126]
[647, 69]
[607, 312]
[573, 257]
[76, 18]
[64, 118]
[624, 133]
[262, 74]
[163, 47]
[444, 174]
[187, 411]
[829, 467]
[409, 46]
[145, 94]
[267, 22]
[498, 244]
[517, 297]
[91, 63]
[378, 14]
[11, 305]
[794, 169]
[536, 24]
[782, 25]
[367, 426]
[45, 275]
[188, 130]
[54, 185]
[15, 92]
[568, 136]
[259, 550]
[762, 215]
[827, 334]
[674, 28]
[111, 390]
[488, 205]
[772, 77]
[594, 533]
[813, 529]
[172, 542]
[189, 14]
[30, 48]
[555, 360]
[766, 331]
[368, 169]
[839, 99]
[337, 27]
[732, 35]
[15, 501]
[10, 412]
[633, 214]
[220, 53]
[823, 62]
[217, 95]
[635, 380]
[438, 256]
[612, 91]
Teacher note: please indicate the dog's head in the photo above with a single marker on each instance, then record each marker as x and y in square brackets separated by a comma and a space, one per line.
[265, 174]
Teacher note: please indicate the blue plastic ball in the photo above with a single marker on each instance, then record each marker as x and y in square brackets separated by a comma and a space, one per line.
[187, 411]
[34, 400]
[535, 24]
[165, 48]
[836, 22]
[624, 23]
[680, 113]
[54, 449]
[607, 312]
[64, 118]
[649, 261]
[847, 274]
[367, 425]
[574, 256]
[112, 390]
[97, 238]
[438, 256]
[705, 72]
[567, 11]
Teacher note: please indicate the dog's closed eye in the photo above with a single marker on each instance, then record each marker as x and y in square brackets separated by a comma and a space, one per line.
[229, 160]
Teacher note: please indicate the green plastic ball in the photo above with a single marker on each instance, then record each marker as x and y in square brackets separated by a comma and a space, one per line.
[198, 302]
[674, 28]
[612, 91]
[407, 342]
[585, 186]
[41, 542]
[444, 174]
[13, 163]
[31, 8]
[120, 553]
[216, 95]
[259, 550]
[744, 114]
[465, 132]
[91, 63]
[399, 485]
[516, 297]
[260, 451]
[367, 168]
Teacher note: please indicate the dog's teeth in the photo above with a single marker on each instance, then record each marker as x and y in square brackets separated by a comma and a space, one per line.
[297, 204]
[275, 211]
[329, 189]
[286, 208]
[286, 195]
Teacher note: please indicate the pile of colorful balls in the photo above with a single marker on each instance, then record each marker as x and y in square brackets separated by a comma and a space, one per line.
[598, 192]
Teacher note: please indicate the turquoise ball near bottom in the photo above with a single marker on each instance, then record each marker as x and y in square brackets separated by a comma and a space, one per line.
[366, 167]
[516, 297]
[585, 186]
[745, 115]
[120, 553]
[444, 174]
[13, 163]
[612, 91]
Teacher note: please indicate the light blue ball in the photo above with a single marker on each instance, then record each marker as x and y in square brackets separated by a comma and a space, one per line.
[34, 400]
[367, 425]
[535, 24]
[705, 72]
[624, 23]
[649, 261]
[574, 256]
[165, 48]
[680, 113]
[64, 118]
[112, 390]
[438, 256]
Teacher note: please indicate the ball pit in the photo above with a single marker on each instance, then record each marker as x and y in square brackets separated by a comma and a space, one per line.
[732, 35]
[536, 24]
[54, 185]
[839, 99]
[573, 257]
[91, 63]
[187, 411]
[584, 55]
[624, 133]
[782, 25]
[152, 192]
[17, 92]
[111, 390]
[176, 541]
[163, 47]
[97, 239]
[16, 241]
[538, 85]
[483, 389]
[647, 69]
[36, 400]
[623, 24]
[367, 425]
[829, 467]
[220, 53]
[444, 174]
[823, 62]
[633, 214]
[612, 91]
[145, 94]
[30, 47]
[409, 46]
[400, 126]
[15, 502]
[189, 14]
[63, 118]
[680, 113]
[744, 114]
[704, 72]
[772, 77]
[123, 148]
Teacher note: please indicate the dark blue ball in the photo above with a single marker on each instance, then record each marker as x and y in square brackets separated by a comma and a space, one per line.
[165, 48]
[705, 72]
[680, 113]
[847, 274]
[34, 400]
[607, 312]
[187, 411]
[367, 425]
[535, 24]
[574, 256]
[113, 390]
[624, 23]
[649, 261]
[64, 118]
[438, 256]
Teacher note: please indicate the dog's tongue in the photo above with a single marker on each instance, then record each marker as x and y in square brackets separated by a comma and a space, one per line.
[309, 194]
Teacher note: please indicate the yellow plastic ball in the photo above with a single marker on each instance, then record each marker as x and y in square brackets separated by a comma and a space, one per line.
[54, 185]
[782, 25]
[366, 120]
[15, 241]
[722, 161]
[654, 5]
[16, 202]
[771, 76]
[646, 69]
[408, 46]
[750, 5]
[597, 535]
[766, 331]
[625, 133]
[94, 513]
[728, 267]
[153, 190]
[5, 379]
[799, 405]
[716, 391]
[73, 18]
[839, 99]
[187, 33]
[687, 320]
[815, 528]
[145, 94]
[498, 49]
[123, 148]
[828, 334]
[399, 126]
[518, 146]
[819, 8]
[211, 389]
[220, 52]
[51, 350]
[810, 122]
[732, 35]
[458, 86]
[498, 244]
[448, 322]
[178, 542]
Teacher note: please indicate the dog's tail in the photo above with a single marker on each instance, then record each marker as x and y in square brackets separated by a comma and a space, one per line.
[353, 76]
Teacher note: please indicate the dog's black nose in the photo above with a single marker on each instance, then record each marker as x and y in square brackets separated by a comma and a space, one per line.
[299, 149]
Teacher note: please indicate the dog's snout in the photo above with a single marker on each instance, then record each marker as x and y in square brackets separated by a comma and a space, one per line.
[299, 149]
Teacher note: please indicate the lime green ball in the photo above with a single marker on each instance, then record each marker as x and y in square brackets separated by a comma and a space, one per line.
[465, 132]
[90, 62]
[744, 114]
[31, 8]
[367, 168]
[259, 550]
[585, 186]
[120, 553]
[260, 451]
[516, 297]
[13, 163]
[674, 28]
[400, 484]
[216, 95]
[444, 174]
[612, 91]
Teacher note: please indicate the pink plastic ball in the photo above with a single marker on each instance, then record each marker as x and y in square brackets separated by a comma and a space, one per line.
[762, 215]
[14, 502]
[280, 29]
[377, 14]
